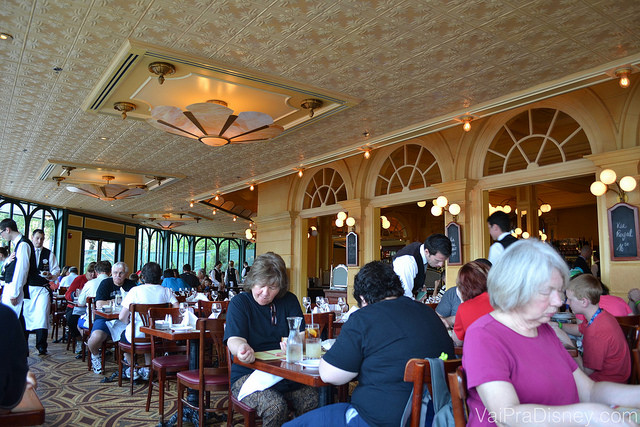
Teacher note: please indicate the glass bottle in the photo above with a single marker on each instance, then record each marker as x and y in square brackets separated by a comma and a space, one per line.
[294, 341]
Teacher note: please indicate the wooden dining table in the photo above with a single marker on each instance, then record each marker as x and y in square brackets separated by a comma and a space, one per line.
[113, 315]
[293, 372]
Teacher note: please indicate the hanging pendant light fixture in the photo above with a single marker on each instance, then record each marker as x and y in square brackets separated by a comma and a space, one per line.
[214, 124]
[109, 192]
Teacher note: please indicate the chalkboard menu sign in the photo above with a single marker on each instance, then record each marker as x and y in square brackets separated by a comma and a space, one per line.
[352, 249]
[624, 238]
[453, 233]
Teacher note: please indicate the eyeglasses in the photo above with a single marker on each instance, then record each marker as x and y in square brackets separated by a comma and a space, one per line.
[274, 319]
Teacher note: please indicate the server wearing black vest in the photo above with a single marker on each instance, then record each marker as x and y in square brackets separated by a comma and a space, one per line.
[37, 308]
[410, 261]
[21, 272]
[500, 231]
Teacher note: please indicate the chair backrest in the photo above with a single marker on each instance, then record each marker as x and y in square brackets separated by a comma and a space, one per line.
[458, 390]
[631, 335]
[212, 331]
[204, 307]
[140, 313]
[339, 276]
[418, 372]
[324, 321]
[629, 320]
[91, 306]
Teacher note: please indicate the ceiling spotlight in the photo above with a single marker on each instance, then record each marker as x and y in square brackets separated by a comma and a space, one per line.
[215, 211]
[124, 108]
[217, 197]
[235, 218]
[191, 204]
[6, 36]
[366, 134]
[251, 187]
[311, 104]
[367, 152]
[623, 75]
[161, 69]
[300, 172]
[466, 120]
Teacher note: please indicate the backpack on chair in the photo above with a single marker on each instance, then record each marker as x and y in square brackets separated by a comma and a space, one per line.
[442, 411]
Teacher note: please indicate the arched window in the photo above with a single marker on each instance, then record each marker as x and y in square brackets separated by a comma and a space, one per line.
[410, 167]
[155, 247]
[45, 220]
[205, 254]
[143, 247]
[325, 188]
[536, 137]
[250, 252]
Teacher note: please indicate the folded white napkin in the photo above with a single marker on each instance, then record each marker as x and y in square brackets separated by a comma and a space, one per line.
[189, 319]
[345, 316]
[315, 309]
[201, 297]
[257, 381]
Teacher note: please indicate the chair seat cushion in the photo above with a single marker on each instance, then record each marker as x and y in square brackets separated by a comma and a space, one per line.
[192, 377]
[139, 346]
[171, 363]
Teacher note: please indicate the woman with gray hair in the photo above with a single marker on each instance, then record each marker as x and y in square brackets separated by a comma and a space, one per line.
[257, 321]
[518, 371]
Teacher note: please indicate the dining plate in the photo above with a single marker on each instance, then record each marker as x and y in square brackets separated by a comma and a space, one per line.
[310, 363]
[181, 328]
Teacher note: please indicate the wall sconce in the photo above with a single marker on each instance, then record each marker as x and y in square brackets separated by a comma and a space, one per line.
[422, 203]
[191, 204]
[623, 75]
[217, 197]
[250, 234]
[607, 178]
[312, 232]
[342, 219]
[441, 203]
[385, 222]
[215, 211]
[367, 152]
[300, 172]
[252, 187]
[235, 218]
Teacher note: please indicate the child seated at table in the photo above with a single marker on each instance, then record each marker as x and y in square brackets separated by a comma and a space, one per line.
[606, 353]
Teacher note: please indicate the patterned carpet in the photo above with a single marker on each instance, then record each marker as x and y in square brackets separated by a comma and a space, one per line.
[74, 396]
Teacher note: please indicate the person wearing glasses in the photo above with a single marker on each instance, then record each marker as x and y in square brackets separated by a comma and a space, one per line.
[257, 321]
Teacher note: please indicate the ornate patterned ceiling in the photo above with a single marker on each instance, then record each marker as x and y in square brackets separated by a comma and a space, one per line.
[412, 63]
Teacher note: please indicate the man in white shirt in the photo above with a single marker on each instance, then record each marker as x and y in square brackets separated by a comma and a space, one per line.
[151, 292]
[410, 262]
[37, 308]
[68, 279]
[500, 231]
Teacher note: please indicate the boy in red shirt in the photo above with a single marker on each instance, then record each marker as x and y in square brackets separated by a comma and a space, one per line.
[605, 351]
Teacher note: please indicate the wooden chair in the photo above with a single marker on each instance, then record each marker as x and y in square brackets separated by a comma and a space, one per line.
[632, 335]
[138, 346]
[458, 390]
[207, 377]
[324, 320]
[86, 333]
[248, 413]
[204, 307]
[29, 411]
[635, 360]
[629, 320]
[418, 372]
[167, 366]
[58, 318]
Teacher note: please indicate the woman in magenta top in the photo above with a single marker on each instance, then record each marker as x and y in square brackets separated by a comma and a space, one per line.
[518, 371]
[472, 290]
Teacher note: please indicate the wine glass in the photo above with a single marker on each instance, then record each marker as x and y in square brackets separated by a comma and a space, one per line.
[343, 305]
[214, 295]
[182, 308]
[306, 302]
[216, 309]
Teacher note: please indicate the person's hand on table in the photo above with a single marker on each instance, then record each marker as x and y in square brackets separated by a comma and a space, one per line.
[245, 353]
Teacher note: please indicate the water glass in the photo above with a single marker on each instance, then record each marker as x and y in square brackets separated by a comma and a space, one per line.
[216, 309]
[168, 320]
[314, 348]
[118, 300]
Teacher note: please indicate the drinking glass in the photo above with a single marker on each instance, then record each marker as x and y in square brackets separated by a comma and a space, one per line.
[313, 348]
[118, 300]
[306, 302]
[343, 305]
[168, 320]
[182, 308]
[216, 309]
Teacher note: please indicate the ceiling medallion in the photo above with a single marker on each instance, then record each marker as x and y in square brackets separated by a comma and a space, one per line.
[311, 104]
[161, 69]
[214, 124]
[124, 108]
[108, 192]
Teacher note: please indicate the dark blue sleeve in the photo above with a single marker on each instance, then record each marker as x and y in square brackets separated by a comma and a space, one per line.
[347, 352]
[237, 322]
[104, 290]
